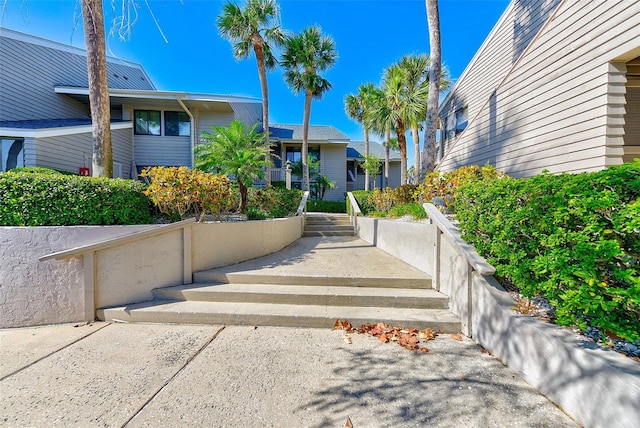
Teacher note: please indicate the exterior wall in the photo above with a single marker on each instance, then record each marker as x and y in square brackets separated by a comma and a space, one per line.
[208, 119]
[333, 163]
[29, 71]
[54, 291]
[152, 150]
[560, 108]
[249, 113]
[49, 292]
[73, 151]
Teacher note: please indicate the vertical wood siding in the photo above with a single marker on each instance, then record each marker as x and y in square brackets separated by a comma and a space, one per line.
[333, 164]
[561, 108]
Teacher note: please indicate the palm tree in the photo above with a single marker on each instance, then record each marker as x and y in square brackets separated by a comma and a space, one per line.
[234, 151]
[402, 107]
[357, 106]
[416, 68]
[305, 56]
[378, 119]
[93, 19]
[256, 27]
[429, 153]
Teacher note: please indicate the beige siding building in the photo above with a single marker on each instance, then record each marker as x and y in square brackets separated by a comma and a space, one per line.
[555, 86]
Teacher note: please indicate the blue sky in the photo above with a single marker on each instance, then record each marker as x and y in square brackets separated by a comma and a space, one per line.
[369, 36]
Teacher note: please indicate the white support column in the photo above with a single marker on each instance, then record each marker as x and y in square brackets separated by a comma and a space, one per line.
[89, 267]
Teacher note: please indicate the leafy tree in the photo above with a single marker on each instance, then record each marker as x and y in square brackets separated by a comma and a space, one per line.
[256, 27]
[378, 119]
[305, 56]
[236, 151]
[323, 183]
[371, 165]
[429, 152]
[357, 106]
[93, 19]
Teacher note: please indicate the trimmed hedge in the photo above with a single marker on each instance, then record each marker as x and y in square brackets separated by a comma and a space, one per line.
[36, 199]
[272, 202]
[572, 238]
[326, 206]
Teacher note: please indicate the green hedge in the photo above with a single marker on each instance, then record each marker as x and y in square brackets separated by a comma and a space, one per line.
[362, 197]
[572, 238]
[36, 199]
[326, 206]
[272, 202]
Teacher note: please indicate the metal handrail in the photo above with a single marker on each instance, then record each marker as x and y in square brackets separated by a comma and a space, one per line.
[353, 205]
[476, 261]
[102, 245]
[302, 208]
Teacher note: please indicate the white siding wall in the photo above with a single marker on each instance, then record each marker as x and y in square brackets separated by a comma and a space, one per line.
[152, 150]
[333, 163]
[208, 119]
[562, 104]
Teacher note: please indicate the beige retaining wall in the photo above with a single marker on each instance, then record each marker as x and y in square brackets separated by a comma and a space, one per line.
[597, 388]
[34, 292]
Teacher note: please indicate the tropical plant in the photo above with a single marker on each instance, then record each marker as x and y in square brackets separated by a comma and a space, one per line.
[305, 56]
[429, 151]
[236, 151]
[256, 27]
[371, 165]
[357, 106]
[323, 183]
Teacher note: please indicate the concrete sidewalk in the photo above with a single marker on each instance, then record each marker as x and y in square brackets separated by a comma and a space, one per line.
[115, 375]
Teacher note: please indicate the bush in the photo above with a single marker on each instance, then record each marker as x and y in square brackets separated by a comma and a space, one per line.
[50, 199]
[445, 185]
[273, 202]
[38, 170]
[412, 209]
[326, 206]
[178, 191]
[574, 239]
[362, 197]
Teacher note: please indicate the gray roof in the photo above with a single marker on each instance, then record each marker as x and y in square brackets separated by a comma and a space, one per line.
[355, 149]
[316, 133]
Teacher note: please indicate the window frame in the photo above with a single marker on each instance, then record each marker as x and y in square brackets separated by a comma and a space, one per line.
[180, 115]
[135, 122]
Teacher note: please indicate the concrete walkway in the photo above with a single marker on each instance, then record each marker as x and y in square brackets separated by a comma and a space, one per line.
[114, 375]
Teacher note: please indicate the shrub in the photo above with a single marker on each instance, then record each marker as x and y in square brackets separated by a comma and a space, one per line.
[38, 170]
[445, 185]
[381, 199]
[412, 209]
[326, 206]
[404, 194]
[177, 191]
[574, 239]
[274, 202]
[50, 199]
[362, 197]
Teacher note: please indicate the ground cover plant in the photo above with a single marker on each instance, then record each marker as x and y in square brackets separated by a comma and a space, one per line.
[42, 197]
[573, 239]
[314, 205]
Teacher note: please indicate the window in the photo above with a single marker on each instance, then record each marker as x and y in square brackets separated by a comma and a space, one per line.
[177, 123]
[462, 118]
[11, 154]
[147, 122]
[294, 154]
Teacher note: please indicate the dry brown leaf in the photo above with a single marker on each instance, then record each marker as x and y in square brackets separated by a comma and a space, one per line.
[346, 339]
[424, 350]
[348, 423]
[456, 336]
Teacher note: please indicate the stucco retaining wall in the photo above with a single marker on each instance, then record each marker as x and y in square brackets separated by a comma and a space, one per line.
[34, 292]
[597, 388]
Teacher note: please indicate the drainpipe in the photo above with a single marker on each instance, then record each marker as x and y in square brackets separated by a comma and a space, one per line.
[193, 130]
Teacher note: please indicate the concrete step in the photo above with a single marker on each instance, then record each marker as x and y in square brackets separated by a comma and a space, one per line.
[307, 295]
[324, 227]
[328, 233]
[322, 279]
[281, 315]
[329, 221]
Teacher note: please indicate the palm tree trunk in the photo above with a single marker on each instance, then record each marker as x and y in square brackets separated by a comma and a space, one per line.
[429, 152]
[102, 160]
[305, 142]
[262, 73]
[366, 154]
[416, 154]
[243, 195]
[387, 148]
[402, 145]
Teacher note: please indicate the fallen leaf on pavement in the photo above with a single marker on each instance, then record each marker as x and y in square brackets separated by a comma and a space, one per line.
[456, 336]
[346, 339]
[348, 424]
